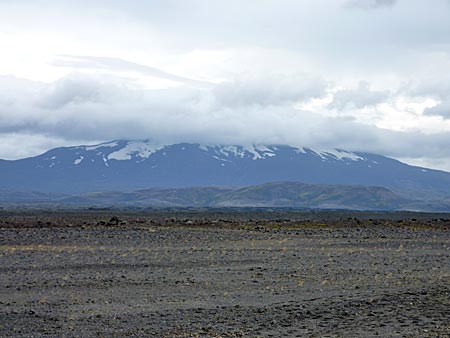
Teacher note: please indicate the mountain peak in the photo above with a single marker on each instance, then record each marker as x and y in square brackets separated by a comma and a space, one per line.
[123, 150]
[139, 164]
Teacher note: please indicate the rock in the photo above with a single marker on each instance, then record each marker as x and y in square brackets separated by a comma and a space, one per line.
[114, 221]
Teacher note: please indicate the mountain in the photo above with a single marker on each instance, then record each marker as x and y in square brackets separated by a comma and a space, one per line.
[279, 194]
[132, 165]
[8, 197]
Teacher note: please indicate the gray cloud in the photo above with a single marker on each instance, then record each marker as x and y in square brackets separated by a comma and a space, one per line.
[370, 3]
[442, 109]
[269, 90]
[84, 109]
[436, 87]
[78, 106]
[69, 90]
[275, 55]
[360, 97]
[309, 26]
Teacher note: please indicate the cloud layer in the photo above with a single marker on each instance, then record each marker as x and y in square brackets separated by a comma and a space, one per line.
[370, 3]
[82, 108]
[366, 75]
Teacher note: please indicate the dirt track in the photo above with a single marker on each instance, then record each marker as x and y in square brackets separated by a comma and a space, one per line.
[74, 278]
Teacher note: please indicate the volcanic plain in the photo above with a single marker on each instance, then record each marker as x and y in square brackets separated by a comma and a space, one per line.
[203, 273]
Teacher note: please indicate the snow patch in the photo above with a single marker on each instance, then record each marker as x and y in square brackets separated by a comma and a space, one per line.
[255, 151]
[220, 159]
[78, 160]
[338, 154]
[260, 152]
[300, 150]
[138, 149]
[237, 151]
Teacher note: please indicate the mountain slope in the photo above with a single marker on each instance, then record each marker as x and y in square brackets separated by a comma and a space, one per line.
[131, 165]
[281, 194]
[294, 194]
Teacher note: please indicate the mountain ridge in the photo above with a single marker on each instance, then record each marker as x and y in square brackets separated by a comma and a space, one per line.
[294, 195]
[131, 165]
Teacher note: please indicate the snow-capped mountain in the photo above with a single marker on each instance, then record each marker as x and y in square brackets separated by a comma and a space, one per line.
[128, 165]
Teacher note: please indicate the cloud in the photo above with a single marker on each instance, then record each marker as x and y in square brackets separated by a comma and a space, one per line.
[270, 89]
[117, 64]
[359, 97]
[80, 106]
[270, 60]
[435, 87]
[21, 145]
[83, 108]
[370, 4]
[70, 90]
[442, 110]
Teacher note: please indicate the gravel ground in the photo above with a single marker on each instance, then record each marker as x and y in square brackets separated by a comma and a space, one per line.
[78, 276]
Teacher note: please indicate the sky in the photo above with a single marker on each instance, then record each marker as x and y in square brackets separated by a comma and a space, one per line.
[360, 75]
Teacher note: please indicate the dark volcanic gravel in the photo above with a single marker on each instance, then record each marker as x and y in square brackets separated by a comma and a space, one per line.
[158, 277]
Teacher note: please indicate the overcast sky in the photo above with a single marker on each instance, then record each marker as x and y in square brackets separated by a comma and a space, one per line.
[362, 75]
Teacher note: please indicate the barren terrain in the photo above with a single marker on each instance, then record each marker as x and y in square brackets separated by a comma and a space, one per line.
[214, 274]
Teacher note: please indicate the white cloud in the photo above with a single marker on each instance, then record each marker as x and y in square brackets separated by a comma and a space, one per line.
[86, 109]
[306, 72]
[115, 64]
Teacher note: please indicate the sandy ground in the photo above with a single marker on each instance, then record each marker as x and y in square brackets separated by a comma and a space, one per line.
[77, 277]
